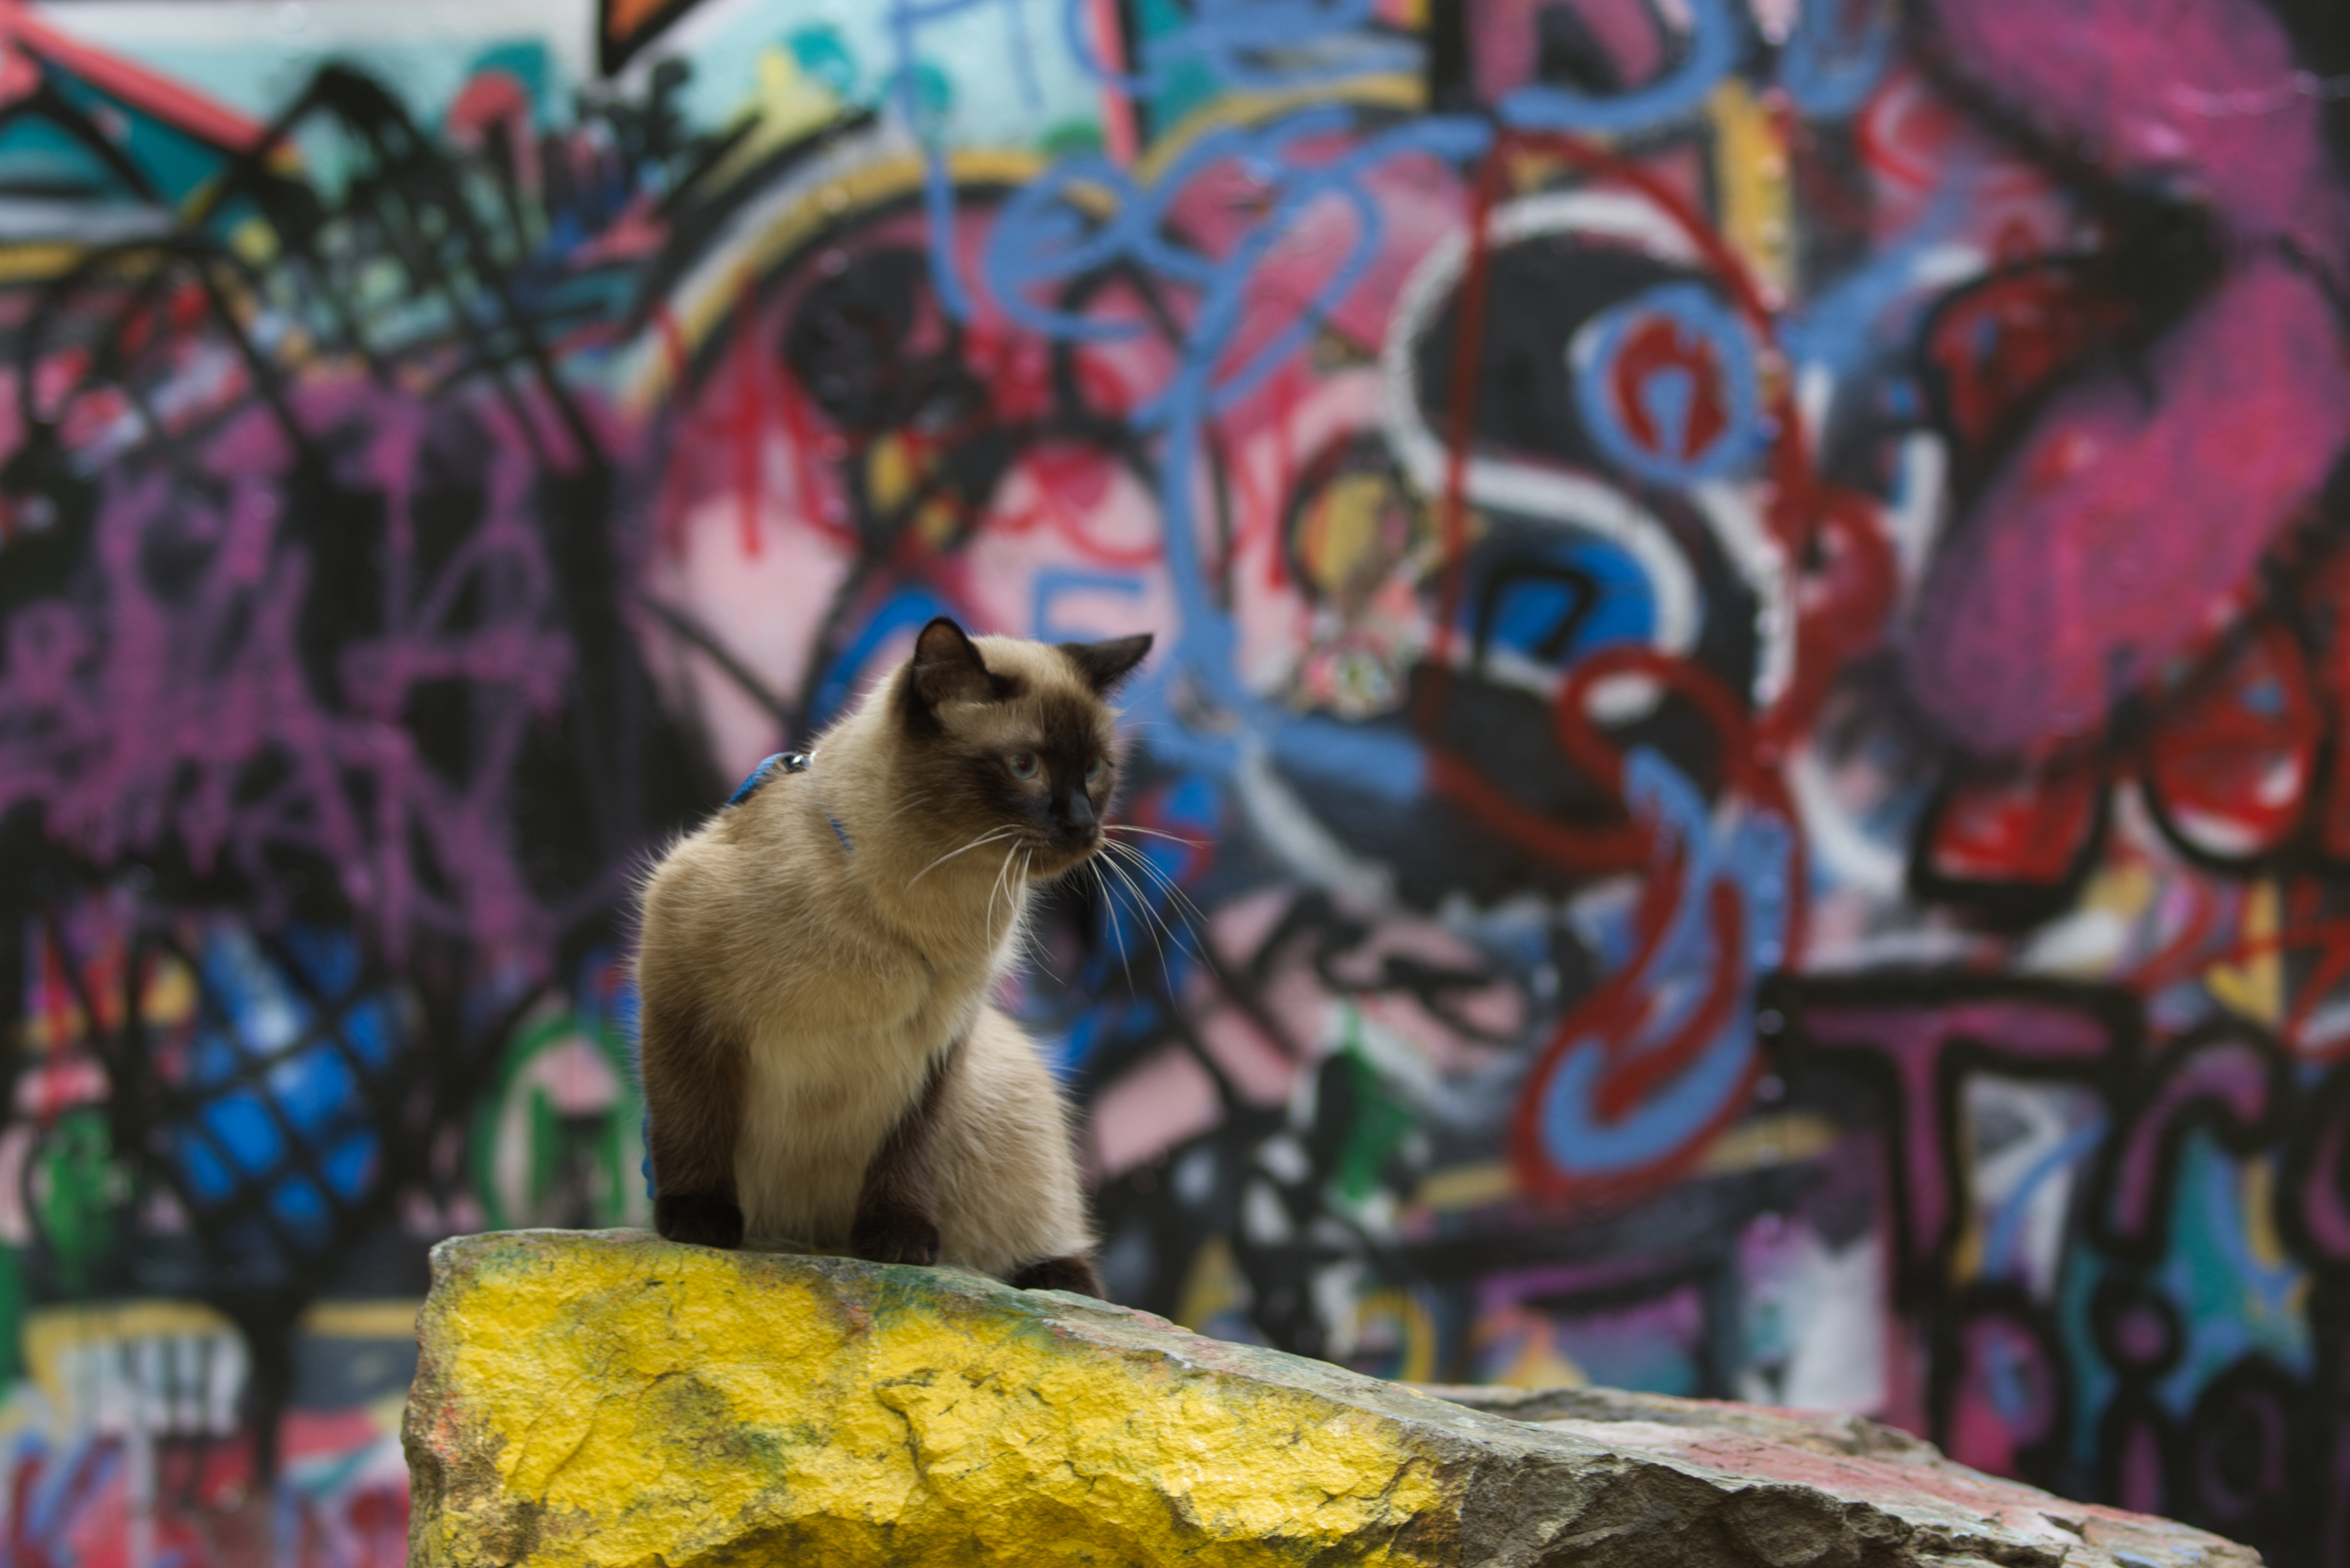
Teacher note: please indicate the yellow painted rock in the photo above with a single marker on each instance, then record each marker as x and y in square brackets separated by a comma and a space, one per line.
[608, 1399]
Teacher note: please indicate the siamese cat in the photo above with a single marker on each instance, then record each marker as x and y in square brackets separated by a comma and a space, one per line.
[822, 1064]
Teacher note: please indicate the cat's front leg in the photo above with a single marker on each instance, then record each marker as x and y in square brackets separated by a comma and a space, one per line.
[905, 1234]
[693, 1102]
[1074, 1272]
[897, 1218]
[698, 1218]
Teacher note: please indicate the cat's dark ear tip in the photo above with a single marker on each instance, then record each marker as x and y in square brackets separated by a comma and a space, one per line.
[947, 666]
[941, 634]
[944, 644]
[1106, 663]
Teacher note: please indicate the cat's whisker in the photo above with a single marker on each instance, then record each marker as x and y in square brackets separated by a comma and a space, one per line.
[1109, 914]
[1135, 855]
[919, 798]
[998, 886]
[1153, 833]
[1191, 914]
[1015, 883]
[987, 837]
[1030, 945]
[1159, 916]
[1152, 921]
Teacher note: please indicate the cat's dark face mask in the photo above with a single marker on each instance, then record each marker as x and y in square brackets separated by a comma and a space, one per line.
[1023, 743]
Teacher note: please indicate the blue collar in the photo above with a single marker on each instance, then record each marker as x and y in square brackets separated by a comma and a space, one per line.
[786, 762]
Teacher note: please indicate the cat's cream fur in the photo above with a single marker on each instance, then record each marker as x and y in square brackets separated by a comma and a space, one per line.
[800, 993]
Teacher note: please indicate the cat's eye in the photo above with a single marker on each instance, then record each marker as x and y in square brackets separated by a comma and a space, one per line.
[1093, 771]
[1022, 763]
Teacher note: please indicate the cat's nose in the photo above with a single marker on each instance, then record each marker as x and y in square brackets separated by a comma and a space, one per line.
[1076, 815]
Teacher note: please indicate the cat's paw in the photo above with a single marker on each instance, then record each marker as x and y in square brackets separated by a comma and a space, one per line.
[1074, 1272]
[698, 1220]
[894, 1239]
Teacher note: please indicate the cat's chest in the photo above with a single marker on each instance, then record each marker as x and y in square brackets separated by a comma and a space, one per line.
[870, 992]
[851, 1065]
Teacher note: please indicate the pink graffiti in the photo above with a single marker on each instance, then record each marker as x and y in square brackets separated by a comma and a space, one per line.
[2120, 533]
[2201, 92]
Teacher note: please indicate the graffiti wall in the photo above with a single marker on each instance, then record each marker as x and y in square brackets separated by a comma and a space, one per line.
[1744, 791]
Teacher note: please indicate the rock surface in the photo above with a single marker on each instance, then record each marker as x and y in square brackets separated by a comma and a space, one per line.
[610, 1399]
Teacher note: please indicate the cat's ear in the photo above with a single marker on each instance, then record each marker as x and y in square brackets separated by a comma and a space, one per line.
[1105, 664]
[948, 669]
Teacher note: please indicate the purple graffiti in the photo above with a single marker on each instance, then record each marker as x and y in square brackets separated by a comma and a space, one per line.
[2227, 1083]
[183, 710]
[1920, 1050]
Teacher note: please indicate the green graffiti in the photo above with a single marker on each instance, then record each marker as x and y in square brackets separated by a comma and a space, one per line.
[1380, 1122]
[77, 1192]
[558, 1140]
[12, 1315]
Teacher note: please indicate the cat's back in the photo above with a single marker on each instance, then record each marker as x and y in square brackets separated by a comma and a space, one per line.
[754, 877]
[758, 919]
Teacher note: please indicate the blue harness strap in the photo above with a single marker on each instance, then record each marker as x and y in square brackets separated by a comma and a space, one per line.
[781, 761]
[787, 763]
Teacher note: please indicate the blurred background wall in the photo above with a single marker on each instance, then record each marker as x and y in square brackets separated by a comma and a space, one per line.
[1749, 729]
